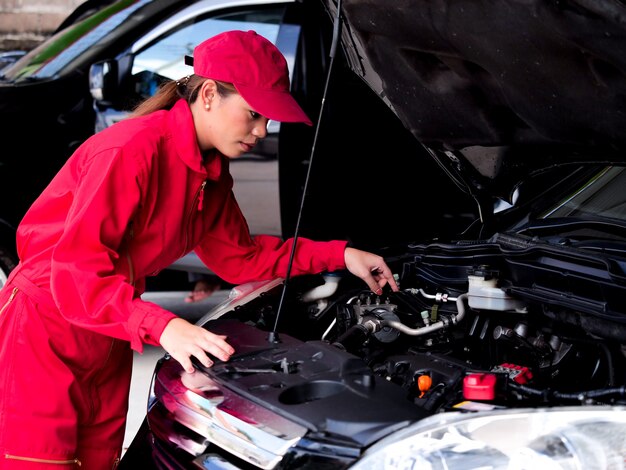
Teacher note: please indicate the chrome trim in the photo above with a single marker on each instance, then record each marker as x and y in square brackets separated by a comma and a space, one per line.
[235, 424]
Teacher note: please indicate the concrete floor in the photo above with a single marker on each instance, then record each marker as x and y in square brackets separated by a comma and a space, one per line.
[142, 374]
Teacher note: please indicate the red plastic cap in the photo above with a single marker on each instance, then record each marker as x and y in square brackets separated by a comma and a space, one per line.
[479, 387]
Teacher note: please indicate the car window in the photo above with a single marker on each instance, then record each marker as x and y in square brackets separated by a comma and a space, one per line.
[164, 58]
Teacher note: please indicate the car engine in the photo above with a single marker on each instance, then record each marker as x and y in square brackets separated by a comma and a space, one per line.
[512, 322]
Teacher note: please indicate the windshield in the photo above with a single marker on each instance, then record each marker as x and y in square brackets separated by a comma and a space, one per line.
[601, 197]
[52, 56]
[593, 216]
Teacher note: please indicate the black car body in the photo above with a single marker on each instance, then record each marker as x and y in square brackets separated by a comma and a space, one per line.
[479, 146]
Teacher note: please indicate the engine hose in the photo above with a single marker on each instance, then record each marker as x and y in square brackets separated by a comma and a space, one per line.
[605, 350]
[460, 303]
[353, 338]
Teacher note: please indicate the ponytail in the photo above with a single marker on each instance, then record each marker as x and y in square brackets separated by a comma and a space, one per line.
[170, 92]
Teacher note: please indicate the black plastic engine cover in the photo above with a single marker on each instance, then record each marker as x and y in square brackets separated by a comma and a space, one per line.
[315, 384]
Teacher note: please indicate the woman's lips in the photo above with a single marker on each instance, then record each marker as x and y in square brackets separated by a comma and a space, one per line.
[247, 147]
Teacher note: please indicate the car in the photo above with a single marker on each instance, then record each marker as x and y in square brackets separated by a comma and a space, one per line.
[85, 8]
[9, 57]
[49, 101]
[479, 147]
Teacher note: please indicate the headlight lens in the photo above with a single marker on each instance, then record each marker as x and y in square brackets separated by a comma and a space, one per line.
[561, 438]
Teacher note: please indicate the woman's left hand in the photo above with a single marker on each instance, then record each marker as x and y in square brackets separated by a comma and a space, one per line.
[371, 268]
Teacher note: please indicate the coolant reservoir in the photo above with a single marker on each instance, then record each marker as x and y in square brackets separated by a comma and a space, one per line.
[484, 293]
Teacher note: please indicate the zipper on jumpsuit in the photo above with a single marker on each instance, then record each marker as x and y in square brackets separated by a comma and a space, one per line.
[131, 271]
[199, 196]
[49, 461]
[8, 302]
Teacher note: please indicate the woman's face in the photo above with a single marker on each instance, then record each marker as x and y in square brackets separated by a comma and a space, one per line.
[229, 124]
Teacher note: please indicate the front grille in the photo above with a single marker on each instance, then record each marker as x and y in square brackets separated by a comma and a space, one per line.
[192, 410]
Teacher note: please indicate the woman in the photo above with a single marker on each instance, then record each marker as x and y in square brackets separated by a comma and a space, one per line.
[130, 201]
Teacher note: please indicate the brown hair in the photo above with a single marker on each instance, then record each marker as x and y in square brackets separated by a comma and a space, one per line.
[170, 92]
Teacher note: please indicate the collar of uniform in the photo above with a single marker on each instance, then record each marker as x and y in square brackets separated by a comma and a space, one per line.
[215, 164]
[186, 143]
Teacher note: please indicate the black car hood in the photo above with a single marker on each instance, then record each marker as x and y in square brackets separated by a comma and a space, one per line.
[496, 90]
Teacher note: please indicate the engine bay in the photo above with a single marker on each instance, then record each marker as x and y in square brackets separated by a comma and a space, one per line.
[494, 323]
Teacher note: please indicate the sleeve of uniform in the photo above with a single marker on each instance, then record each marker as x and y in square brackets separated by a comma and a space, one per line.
[234, 255]
[85, 285]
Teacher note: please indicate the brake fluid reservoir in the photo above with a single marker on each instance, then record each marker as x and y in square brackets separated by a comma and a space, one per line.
[484, 293]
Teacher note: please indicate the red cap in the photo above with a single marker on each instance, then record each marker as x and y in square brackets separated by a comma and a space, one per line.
[479, 386]
[256, 68]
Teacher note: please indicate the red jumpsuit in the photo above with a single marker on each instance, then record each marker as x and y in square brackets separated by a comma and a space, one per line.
[130, 201]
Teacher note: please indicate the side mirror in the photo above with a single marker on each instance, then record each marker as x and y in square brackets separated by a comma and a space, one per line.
[103, 81]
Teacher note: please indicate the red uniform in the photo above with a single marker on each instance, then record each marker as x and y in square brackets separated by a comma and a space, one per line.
[129, 202]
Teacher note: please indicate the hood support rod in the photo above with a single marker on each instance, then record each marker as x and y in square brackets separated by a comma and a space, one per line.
[273, 335]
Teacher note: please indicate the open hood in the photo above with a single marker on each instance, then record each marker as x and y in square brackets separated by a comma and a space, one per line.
[496, 90]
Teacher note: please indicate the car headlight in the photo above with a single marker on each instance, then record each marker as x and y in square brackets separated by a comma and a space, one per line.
[558, 438]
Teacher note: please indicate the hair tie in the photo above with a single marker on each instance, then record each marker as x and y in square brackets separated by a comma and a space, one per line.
[183, 81]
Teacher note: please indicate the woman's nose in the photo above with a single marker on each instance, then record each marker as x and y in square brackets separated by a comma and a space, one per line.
[260, 130]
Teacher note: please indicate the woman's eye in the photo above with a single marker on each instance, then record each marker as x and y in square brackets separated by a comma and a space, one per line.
[255, 115]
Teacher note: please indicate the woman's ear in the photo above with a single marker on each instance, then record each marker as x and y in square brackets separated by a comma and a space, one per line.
[207, 92]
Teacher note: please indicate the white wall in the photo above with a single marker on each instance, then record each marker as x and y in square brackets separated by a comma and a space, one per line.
[24, 23]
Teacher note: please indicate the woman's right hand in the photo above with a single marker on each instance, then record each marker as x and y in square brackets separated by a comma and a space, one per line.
[182, 340]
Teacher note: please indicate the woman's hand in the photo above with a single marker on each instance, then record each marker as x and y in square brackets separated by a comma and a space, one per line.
[371, 268]
[182, 340]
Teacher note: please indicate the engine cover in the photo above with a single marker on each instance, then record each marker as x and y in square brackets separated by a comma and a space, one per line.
[315, 384]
